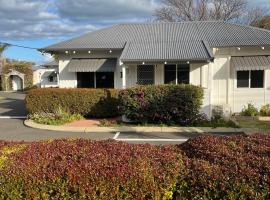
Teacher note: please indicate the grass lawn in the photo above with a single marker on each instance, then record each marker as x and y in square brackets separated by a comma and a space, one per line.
[255, 123]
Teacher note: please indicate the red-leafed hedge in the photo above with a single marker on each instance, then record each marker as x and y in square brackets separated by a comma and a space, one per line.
[206, 167]
[227, 168]
[83, 169]
[87, 102]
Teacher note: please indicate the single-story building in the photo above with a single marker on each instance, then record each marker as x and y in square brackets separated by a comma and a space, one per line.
[46, 75]
[230, 61]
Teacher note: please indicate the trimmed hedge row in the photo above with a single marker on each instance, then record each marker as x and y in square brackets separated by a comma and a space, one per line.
[87, 102]
[169, 104]
[227, 168]
[206, 167]
[83, 169]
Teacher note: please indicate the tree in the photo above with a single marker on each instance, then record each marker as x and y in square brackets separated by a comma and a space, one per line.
[264, 22]
[3, 47]
[200, 10]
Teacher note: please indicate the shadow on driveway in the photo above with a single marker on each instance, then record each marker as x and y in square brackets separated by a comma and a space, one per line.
[12, 104]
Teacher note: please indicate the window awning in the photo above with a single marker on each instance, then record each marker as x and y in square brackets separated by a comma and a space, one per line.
[92, 65]
[49, 74]
[251, 63]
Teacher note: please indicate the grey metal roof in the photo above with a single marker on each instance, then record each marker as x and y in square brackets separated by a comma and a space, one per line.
[53, 63]
[177, 51]
[92, 65]
[251, 63]
[215, 34]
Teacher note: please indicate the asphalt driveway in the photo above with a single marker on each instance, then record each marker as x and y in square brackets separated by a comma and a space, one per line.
[12, 104]
[12, 128]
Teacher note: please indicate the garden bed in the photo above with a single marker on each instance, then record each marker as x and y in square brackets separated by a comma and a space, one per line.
[202, 168]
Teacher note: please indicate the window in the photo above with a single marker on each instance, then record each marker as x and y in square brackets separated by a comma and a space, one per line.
[170, 74]
[183, 74]
[95, 79]
[176, 74]
[104, 79]
[52, 79]
[242, 79]
[145, 74]
[256, 79]
[250, 79]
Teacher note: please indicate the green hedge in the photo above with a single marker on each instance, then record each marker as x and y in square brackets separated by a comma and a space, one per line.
[87, 102]
[170, 104]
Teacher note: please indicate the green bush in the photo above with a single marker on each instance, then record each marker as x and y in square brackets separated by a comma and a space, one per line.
[250, 110]
[58, 118]
[265, 110]
[97, 103]
[168, 104]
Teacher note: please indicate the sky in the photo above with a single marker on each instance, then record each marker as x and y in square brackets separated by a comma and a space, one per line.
[39, 23]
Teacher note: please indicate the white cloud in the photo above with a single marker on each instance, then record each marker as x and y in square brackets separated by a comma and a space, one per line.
[31, 19]
[105, 10]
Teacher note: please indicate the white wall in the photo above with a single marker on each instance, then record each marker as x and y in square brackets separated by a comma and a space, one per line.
[40, 81]
[225, 91]
[69, 79]
[218, 78]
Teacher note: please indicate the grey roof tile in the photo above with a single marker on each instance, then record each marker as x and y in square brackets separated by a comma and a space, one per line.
[193, 38]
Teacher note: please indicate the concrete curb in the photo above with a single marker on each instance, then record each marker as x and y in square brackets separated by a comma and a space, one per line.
[31, 124]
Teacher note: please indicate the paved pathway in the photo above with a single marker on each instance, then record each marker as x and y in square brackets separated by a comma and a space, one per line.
[12, 105]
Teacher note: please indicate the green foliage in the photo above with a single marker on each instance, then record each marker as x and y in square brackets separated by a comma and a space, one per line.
[60, 117]
[265, 110]
[168, 104]
[97, 103]
[250, 110]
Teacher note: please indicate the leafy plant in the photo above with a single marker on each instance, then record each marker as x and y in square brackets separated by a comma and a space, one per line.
[167, 104]
[250, 110]
[99, 103]
[265, 110]
[84, 169]
[60, 117]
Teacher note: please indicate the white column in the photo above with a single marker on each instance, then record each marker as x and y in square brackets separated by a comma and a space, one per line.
[124, 76]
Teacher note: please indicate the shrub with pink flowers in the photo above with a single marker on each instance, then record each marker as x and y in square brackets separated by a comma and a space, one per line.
[168, 104]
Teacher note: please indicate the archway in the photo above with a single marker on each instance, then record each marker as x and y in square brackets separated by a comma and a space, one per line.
[17, 83]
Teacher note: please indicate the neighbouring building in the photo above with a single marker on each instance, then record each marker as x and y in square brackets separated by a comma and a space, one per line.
[230, 61]
[16, 75]
[46, 75]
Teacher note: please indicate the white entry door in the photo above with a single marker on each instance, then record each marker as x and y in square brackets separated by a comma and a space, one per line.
[16, 83]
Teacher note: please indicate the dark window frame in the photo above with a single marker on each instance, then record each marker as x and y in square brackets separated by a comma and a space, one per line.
[250, 80]
[177, 67]
[144, 67]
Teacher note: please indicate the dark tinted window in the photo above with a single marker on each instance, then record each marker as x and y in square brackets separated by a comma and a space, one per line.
[242, 79]
[183, 74]
[257, 79]
[145, 74]
[104, 79]
[85, 80]
[170, 74]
